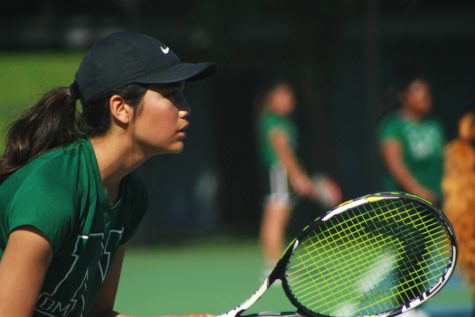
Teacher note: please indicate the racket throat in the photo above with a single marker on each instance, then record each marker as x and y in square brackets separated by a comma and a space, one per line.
[250, 301]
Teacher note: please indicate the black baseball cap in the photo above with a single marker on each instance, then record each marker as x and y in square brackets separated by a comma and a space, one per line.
[124, 58]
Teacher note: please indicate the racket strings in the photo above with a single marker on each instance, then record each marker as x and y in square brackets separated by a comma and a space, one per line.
[309, 259]
[337, 288]
[370, 283]
[343, 250]
[322, 273]
[335, 243]
[340, 274]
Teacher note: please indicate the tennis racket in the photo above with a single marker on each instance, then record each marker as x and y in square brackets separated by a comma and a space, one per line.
[378, 255]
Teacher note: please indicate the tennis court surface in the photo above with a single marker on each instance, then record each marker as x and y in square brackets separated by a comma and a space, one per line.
[214, 276]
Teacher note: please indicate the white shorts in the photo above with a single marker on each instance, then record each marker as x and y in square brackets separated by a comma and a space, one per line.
[278, 185]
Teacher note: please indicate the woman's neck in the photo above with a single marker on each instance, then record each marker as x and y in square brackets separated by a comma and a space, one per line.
[410, 115]
[116, 157]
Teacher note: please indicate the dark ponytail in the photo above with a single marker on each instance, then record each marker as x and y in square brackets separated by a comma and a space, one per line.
[48, 124]
[54, 122]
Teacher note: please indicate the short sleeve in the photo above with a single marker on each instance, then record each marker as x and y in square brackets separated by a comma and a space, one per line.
[276, 122]
[136, 206]
[388, 129]
[46, 203]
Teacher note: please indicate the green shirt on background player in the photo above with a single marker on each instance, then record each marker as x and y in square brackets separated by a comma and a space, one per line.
[268, 121]
[422, 143]
[61, 194]
[411, 142]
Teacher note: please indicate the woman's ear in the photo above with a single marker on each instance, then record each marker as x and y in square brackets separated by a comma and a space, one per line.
[121, 112]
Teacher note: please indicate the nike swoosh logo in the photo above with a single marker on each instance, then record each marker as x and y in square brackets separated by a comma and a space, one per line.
[165, 50]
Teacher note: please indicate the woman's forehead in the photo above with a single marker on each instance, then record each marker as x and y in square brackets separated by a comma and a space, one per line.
[180, 84]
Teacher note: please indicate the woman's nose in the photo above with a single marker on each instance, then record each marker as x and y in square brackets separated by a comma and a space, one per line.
[184, 108]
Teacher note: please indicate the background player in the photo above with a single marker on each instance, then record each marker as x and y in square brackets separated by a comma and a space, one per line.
[277, 142]
[411, 142]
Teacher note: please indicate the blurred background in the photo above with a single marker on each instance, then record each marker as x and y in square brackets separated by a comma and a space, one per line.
[343, 56]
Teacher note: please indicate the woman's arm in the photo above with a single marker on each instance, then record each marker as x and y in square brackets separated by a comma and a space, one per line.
[391, 151]
[104, 303]
[298, 178]
[23, 268]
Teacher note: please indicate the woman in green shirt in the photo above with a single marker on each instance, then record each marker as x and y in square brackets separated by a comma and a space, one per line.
[411, 143]
[69, 200]
[277, 142]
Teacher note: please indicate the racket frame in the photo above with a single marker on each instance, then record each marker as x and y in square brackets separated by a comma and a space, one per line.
[278, 273]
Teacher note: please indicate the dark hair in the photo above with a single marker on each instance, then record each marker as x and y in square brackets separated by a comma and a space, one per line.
[265, 89]
[260, 96]
[95, 117]
[54, 122]
[406, 77]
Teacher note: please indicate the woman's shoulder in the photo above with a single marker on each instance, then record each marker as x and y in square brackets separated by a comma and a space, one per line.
[47, 187]
[393, 117]
[390, 126]
[269, 119]
[55, 168]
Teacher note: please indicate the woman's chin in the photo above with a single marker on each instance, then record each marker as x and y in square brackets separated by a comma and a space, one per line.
[176, 148]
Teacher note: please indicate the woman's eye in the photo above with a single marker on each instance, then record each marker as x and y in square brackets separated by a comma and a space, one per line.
[171, 96]
[175, 95]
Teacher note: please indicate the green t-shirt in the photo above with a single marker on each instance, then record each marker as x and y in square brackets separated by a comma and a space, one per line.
[268, 121]
[422, 145]
[61, 194]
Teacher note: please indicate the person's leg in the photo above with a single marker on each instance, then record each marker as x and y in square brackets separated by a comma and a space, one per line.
[273, 228]
[275, 217]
